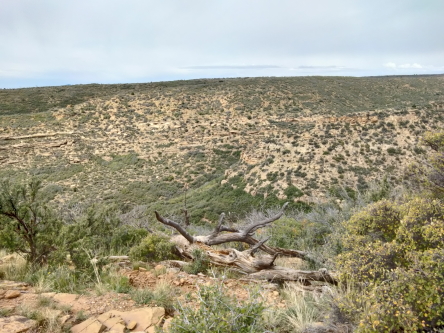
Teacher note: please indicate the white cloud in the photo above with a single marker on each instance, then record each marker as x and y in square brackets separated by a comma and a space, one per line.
[393, 65]
[415, 65]
[390, 65]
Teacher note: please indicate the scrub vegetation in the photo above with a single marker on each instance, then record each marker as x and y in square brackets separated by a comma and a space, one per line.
[360, 161]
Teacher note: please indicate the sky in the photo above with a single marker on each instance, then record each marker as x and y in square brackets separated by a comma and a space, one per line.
[59, 42]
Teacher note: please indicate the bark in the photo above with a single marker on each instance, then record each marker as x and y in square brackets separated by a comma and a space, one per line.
[235, 235]
[258, 268]
[254, 267]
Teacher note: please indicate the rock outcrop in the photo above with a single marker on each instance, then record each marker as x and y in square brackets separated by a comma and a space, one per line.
[138, 320]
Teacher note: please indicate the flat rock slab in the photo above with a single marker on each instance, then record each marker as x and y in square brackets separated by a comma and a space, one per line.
[91, 325]
[142, 319]
[16, 324]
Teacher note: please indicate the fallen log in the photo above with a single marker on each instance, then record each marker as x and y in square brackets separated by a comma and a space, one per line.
[254, 267]
[235, 235]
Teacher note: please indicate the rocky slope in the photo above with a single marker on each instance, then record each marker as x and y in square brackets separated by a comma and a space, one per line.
[296, 138]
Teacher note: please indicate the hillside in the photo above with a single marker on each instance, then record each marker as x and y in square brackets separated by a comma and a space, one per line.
[211, 143]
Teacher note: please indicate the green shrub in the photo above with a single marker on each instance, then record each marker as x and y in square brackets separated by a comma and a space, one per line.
[153, 248]
[89, 235]
[219, 313]
[378, 221]
[124, 237]
[116, 282]
[200, 263]
[411, 299]
[393, 151]
[397, 251]
[285, 232]
[430, 175]
[27, 225]
[422, 226]
[293, 192]
[142, 296]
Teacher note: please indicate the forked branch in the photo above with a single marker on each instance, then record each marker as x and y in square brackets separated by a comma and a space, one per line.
[176, 226]
[256, 267]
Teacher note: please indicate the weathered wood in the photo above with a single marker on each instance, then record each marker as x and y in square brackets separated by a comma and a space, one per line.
[281, 274]
[259, 268]
[236, 235]
[174, 263]
[255, 267]
[118, 257]
[176, 226]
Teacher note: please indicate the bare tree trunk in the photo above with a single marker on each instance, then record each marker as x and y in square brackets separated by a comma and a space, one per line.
[255, 267]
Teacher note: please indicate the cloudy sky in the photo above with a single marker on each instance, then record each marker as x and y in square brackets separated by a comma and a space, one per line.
[56, 42]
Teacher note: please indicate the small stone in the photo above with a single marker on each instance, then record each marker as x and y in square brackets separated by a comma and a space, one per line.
[12, 294]
[131, 325]
[275, 293]
[142, 269]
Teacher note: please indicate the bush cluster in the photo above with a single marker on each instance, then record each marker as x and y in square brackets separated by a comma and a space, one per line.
[393, 254]
[397, 251]
[200, 263]
[153, 248]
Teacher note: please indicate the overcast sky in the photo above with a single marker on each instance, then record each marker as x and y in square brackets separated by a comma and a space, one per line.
[56, 42]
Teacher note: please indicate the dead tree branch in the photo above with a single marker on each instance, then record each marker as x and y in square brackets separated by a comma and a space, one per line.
[256, 267]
